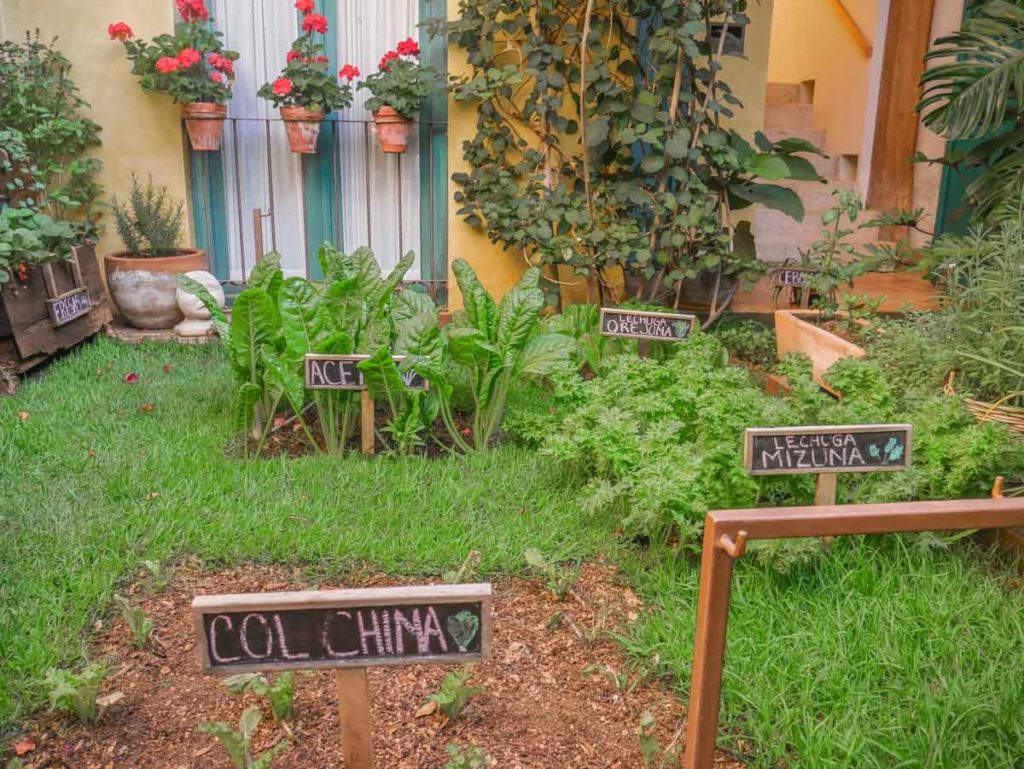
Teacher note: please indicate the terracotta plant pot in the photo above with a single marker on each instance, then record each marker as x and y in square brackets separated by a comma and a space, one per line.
[303, 126]
[392, 130]
[205, 125]
[144, 289]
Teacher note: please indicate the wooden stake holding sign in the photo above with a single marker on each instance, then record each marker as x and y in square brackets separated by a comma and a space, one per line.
[341, 372]
[646, 326]
[345, 630]
[827, 451]
[791, 279]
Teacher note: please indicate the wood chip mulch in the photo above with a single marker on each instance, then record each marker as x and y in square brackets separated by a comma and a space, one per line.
[559, 693]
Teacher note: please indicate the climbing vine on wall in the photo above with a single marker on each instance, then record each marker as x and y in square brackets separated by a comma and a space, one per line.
[602, 141]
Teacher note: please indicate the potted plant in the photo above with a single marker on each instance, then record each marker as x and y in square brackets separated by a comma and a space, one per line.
[399, 87]
[192, 66]
[141, 278]
[306, 91]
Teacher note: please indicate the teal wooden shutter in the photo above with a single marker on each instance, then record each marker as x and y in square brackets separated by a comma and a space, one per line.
[434, 152]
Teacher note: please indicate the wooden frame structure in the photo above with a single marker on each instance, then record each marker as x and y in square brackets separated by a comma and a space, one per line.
[726, 534]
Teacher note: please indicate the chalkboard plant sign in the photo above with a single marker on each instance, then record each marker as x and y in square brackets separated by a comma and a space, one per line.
[828, 449]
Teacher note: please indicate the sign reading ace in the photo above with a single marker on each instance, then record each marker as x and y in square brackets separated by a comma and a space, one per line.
[341, 372]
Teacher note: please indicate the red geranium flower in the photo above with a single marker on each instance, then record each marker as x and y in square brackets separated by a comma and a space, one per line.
[389, 57]
[292, 56]
[167, 64]
[321, 59]
[409, 47]
[192, 10]
[223, 64]
[216, 77]
[189, 57]
[306, 6]
[120, 31]
[349, 72]
[314, 22]
[283, 86]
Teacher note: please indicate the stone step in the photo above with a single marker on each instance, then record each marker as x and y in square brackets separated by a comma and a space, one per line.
[771, 225]
[815, 136]
[789, 116]
[789, 93]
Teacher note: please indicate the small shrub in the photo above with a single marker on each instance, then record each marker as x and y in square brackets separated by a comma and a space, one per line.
[137, 620]
[466, 758]
[455, 693]
[559, 580]
[280, 694]
[149, 224]
[239, 744]
[79, 693]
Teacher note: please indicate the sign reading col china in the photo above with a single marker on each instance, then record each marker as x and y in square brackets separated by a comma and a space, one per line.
[831, 449]
[69, 307]
[341, 372]
[636, 324]
[343, 628]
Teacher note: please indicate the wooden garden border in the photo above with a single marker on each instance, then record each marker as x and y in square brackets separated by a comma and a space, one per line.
[726, 534]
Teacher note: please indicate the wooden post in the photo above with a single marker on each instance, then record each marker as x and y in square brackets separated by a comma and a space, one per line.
[825, 491]
[354, 715]
[366, 415]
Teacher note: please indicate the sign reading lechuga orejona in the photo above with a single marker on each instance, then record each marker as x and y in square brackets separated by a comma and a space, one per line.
[841, 449]
[343, 628]
[634, 324]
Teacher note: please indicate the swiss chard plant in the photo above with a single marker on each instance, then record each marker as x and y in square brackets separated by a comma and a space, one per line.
[497, 345]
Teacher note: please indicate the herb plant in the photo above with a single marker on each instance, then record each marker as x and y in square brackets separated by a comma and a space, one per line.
[139, 623]
[473, 757]
[400, 81]
[149, 223]
[455, 693]
[190, 66]
[44, 129]
[79, 693]
[306, 80]
[280, 693]
[239, 744]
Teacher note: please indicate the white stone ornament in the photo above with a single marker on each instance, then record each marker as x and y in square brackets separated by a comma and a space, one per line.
[197, 318]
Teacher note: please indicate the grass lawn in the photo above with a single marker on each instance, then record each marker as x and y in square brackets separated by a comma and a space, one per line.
[881, 654]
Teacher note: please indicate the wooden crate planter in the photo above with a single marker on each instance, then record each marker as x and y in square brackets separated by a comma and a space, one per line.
[33, 327]
[797, 332]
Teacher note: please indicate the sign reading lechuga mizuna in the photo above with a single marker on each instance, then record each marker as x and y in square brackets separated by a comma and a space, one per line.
[343, 628]
[341, 372]
[634, 324]
[839, 449]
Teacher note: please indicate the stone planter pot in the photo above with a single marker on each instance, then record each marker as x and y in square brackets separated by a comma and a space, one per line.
[797, 331]
[303, 127]
[205, 125]
[144, 289]
[392, 130]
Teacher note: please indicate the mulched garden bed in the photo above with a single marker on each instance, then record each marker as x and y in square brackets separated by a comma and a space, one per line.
[539, 709]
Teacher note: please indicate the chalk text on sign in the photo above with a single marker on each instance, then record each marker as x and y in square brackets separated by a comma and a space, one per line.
[646, 325]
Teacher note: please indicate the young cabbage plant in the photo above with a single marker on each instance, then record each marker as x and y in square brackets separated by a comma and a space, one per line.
[280, 693]
[499, 347]
[79, 693]
[239, 744]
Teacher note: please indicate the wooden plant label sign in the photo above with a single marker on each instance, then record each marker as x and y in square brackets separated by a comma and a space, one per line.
[69, 307]
[343, 628]
[341, 372]
[791, 277]
[635, 324]
[846, 449]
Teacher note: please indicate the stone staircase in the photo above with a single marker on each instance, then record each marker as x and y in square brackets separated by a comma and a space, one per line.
[789, 113]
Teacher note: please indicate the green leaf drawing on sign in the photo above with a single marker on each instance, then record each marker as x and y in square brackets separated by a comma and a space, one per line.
[463, 628]
[874, 452]
[893, 450]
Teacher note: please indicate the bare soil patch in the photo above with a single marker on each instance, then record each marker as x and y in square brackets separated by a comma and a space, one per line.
[539, 710]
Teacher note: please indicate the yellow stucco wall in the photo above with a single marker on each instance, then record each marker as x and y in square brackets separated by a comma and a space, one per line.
[498, 269]
[141, 132]
[810, 42]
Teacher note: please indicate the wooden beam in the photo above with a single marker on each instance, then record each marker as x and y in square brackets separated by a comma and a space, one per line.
[896, 125]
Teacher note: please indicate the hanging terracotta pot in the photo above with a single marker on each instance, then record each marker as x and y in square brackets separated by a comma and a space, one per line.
[205, 125]
[392, 130]
[303, 126]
